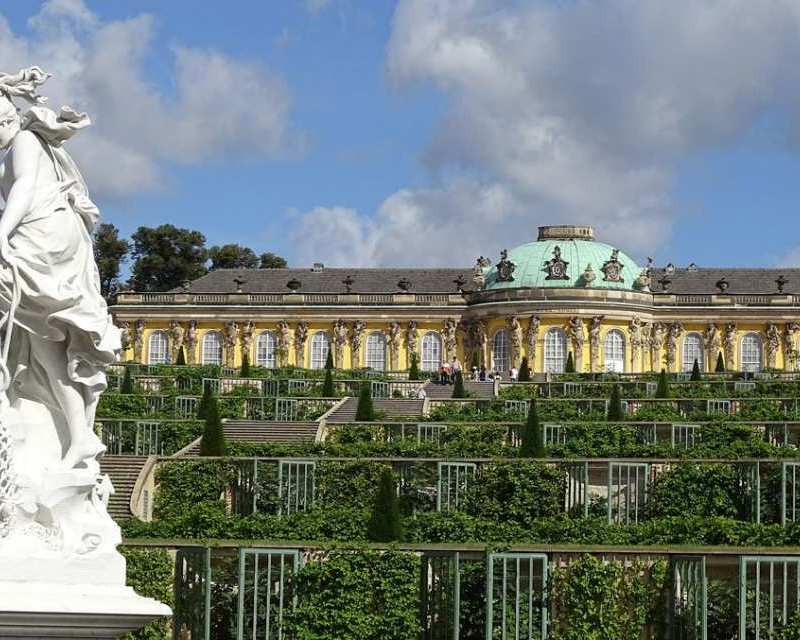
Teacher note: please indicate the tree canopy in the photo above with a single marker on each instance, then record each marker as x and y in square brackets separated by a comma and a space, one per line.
[271, 260]
[110, 251]
[166, 256]
[232, 256]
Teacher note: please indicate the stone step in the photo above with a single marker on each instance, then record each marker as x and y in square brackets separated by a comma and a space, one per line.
[124, 472]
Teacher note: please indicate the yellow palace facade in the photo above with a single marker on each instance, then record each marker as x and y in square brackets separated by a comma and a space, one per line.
[564, 292]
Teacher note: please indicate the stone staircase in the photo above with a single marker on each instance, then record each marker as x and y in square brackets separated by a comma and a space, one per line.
[483, 390]
[262, 431]
[124, 472]
[389, 408]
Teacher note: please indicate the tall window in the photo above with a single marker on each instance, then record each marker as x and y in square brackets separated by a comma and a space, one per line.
[211, 352]
[614, 359]
[693, 350]
[751, 352]
[376, 351]
[555, 350]
[320, 345]
[265, 350]
[158, 348]
[431, 351]
[500, 351]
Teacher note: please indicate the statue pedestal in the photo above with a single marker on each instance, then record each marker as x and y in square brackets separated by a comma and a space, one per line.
[63, 611]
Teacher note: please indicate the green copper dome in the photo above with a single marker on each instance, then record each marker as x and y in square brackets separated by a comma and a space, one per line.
[565, 256]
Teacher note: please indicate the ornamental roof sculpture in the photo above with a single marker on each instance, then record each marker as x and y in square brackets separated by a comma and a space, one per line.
[556, 267]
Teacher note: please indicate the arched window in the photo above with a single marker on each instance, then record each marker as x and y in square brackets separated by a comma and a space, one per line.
[614, 352]
[320, 345]
[211, 352]
[500, 361]
[555, 350]
[265, 350]
[751, 353]
[158, 348]
[376, 351]
[693, 350]
[431, 351]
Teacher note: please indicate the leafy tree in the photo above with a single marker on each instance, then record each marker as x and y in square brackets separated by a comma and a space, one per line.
[270, 260]
[232, 256]
[720, 368]
[615, 413]
[662, 390]
[166, 257]
[385, 524]
[213, 441]
[245, 371]
[413, 368]
[327, 385]
[127, 382]
[570, 366]
[458, 387]
[205, 401]
[110, 252]
[524, 374]
[365, 412]
[696, 375]
[532, 445]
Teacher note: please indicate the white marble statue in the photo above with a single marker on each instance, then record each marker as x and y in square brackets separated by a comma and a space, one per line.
[57, 338]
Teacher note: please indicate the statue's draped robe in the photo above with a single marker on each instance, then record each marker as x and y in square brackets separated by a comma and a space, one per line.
[59, 283]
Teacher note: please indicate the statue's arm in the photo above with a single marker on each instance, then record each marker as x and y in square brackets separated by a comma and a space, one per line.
[25, 154]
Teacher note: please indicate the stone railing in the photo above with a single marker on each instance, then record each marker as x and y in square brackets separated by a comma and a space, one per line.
[723, 299]
[362, 299]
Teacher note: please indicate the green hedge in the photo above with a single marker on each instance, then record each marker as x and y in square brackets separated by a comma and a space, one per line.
[150, 573]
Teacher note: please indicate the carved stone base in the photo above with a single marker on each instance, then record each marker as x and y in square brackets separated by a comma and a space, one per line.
[63, 611]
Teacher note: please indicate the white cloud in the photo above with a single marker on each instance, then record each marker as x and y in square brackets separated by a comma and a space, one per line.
[577, 111]
[219, 105]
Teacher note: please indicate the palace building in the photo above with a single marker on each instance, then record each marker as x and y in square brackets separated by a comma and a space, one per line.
[565, 292]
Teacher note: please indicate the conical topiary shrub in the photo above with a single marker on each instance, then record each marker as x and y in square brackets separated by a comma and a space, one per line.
[532, 445]
[524, 374]
[696, 375]
[206, 399]
[662, 390]
[327, 384]
[458, 387]
[413, 368]
[180, 359]
[245, 370]
[615, 413]
[720, 368]
[569, 367]
[127, 382]
[213, 440]
[385, 524]
[365, 412]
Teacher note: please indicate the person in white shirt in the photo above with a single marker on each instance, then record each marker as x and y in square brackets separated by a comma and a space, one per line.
[514, 373]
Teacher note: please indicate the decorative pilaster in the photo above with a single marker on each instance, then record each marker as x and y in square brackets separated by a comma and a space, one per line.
[283, 341]
[230, 335]
[711, 340]
[531, 340]
[356, 334]
[635, 333]
[300, 337]
[771, 344]
[594, 342]
[577, 338]
[515, 339]
[138, 340]
[339, 342]
[191, 342]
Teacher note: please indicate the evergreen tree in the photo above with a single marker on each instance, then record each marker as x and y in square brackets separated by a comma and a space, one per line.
[327, 385]
[213, 441]
[232, 256]
[166, 257]
[110, 252]
[570, 366]
[532, 445]
[270, 260]
[413, 368]
[180, 359]
[365, 412]
[245, 371]
[385, 524]
[524, 374]
[615, 412]
[720, 368]
[205, 401]
[662, 390]
[696, 375]
[127, 382]
[458, 387]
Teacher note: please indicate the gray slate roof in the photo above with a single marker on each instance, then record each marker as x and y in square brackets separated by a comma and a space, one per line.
[329, 280]
[740, 281]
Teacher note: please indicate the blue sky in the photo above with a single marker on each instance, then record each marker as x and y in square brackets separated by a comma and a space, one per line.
[429, 131]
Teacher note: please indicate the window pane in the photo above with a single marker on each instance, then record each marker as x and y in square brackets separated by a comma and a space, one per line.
[265, 350]
[555, 351]
[431, 352]
[320, 344]
[376, 351]
[693, 350]
[615, 351]
[500, 351]
[751, 352]
[211, 352]
[158, 351]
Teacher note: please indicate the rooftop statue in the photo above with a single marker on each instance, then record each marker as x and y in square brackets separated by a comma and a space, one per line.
[58, 335]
